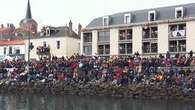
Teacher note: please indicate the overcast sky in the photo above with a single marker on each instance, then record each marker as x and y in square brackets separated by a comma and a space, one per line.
[59, 12]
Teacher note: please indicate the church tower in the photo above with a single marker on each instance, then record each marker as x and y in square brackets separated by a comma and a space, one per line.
[28, 23]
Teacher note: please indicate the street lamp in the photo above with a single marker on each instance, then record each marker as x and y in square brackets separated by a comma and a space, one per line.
[30, 47]
[28, 60]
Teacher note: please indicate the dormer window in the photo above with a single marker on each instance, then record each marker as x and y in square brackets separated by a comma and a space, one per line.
[179, 12]
[152, 15]
[127, 18]
[105, 21]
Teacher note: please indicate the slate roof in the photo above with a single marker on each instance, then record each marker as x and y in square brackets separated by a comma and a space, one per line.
[139, 16]
[62, 31]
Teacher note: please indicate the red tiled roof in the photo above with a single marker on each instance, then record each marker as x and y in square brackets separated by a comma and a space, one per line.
[11, 42]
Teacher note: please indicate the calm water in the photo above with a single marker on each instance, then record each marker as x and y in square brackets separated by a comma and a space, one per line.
[36, 102]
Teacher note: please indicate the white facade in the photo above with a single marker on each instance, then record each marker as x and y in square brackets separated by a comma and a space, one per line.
[12, 49]
[67, 46]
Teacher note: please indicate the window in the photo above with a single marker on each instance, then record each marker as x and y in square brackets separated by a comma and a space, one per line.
[127, 18]
[129, 34]
[105, 21]
[179, 12]
[17, 51]
[122, 48]
[146, 33]
[103, 36]
[182, 45]
[150, 32]
[58, 44]
[173, 46]
[154, 32]
[125, 48]
[177, 46]
[152, 18]
[87, 49]
[10, 50]
[154, 47]
[129, 48]
[182, 27]
[177, 30]
[100, 49]
[4, 50]
[150, 47]
[44, 44]
[146, 47]
[107, 49]
[125, 34]
[87, 37]
[152, 15]
[122, 35]
[104, 49]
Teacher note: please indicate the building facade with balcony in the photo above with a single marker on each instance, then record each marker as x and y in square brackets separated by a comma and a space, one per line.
[53, 41]
[148, 32]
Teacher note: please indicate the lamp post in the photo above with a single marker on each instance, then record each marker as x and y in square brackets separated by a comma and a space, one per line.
[28, 60]
[30, 47]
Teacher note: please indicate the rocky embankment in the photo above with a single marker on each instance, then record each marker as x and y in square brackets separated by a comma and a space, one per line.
[131, 91]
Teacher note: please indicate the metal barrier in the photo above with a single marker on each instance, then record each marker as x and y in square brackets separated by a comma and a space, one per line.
[192, 68]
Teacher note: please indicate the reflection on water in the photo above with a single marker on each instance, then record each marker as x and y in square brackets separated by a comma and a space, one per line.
[37, 102]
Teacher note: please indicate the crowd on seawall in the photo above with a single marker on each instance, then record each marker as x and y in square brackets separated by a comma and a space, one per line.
[163, 71]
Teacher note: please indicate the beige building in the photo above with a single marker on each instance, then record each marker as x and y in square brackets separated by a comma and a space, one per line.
[148, 32]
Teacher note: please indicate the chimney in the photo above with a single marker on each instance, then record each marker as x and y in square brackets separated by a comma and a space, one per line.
[2, 26]
[79, 30]
[8, 25]
[70, 26]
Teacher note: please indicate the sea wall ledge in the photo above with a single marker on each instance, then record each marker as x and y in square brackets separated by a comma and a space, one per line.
[80, 89]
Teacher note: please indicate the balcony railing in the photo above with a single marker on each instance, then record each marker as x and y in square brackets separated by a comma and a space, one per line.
[103, 51]
[177, 34]
[42, 50]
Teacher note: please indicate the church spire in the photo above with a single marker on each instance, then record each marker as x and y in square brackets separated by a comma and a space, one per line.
[28, 11]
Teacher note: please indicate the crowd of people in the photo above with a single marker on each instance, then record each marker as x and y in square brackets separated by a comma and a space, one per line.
[177, 71]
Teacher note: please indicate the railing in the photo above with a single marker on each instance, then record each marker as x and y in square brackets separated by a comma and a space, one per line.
[42, 50]
[177, 34]
[103, 51]
[125, 37]
[176, 68]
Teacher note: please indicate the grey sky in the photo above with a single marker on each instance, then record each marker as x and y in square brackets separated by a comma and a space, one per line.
[59, 12]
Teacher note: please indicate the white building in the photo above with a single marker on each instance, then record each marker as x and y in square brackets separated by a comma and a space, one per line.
[13, 48]
[60, 41]
[149, 32]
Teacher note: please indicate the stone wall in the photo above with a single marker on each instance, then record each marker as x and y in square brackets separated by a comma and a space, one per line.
[137, 92]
